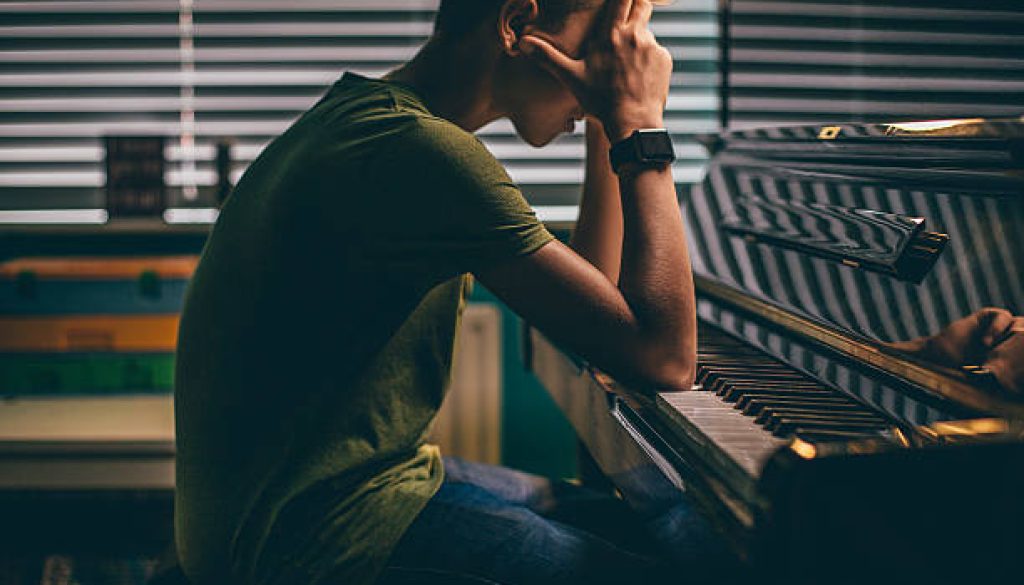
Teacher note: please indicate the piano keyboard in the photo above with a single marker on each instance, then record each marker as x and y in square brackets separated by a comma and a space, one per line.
[747, 404]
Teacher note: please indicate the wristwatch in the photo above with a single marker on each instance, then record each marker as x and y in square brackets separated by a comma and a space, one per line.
[647, 147]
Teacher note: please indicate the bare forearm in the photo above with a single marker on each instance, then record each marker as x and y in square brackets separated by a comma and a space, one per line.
[598, 233]
[632, 232]
[624, 82]
[656, 279]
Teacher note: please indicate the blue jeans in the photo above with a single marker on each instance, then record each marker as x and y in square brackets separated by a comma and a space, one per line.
[491, 524]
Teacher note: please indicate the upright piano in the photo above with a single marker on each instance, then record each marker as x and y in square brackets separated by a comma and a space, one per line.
[828, 439]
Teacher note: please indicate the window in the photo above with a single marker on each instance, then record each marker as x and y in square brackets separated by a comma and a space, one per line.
[200, 71]
[809, 61]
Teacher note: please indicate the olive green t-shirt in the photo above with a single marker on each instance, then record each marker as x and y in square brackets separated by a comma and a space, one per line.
[316, 341]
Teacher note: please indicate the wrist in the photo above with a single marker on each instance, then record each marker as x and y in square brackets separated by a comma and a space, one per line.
[622, 129]
[646, 147]
[629, 171]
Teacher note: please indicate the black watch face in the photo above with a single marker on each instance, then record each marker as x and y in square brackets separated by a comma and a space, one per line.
[656, 146]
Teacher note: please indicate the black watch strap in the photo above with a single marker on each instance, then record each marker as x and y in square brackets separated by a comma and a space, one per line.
[645, 148]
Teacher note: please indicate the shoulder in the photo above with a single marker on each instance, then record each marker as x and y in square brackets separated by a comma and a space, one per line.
[448, 140]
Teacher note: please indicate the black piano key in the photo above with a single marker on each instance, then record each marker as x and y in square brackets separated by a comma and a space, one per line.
[777, 381]
[792, 396]
[778, 397]
[784, 426]
[738, 364]
[736, 358]
[754, 406]
[716, 381]
[748, 370]
[711, 372]
[820, 412]
[734, 361]
[769, 415]
[833, 435]
[706, 371]
[731, 357]
[723, 386]
[733, 392]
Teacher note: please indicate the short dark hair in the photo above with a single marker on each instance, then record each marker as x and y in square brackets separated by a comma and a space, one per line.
[458, 17]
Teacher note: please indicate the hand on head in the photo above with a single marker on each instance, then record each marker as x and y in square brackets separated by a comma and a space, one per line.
[623, 80]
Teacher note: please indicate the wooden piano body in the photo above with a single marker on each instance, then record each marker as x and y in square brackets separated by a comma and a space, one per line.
[816, 250]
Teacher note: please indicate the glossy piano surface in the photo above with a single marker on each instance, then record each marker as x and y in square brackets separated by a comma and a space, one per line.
[834, 512]
[879, 234]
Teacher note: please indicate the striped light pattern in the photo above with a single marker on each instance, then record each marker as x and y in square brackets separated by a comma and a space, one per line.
[839, 375]
[982, 266]
[806, 61]
[199, 71]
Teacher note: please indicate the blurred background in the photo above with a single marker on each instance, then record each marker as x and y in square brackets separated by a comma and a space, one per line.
[123, 125]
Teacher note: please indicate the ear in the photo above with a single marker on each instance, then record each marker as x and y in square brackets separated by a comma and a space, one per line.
[515, 18]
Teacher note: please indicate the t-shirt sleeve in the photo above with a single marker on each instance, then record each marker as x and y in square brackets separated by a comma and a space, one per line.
[455, 208]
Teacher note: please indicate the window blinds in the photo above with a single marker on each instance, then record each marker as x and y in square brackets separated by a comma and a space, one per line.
[808, 61]
[199, 71]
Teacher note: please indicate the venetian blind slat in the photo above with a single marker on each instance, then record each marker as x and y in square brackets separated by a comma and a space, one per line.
[73, 72]
[814, 61]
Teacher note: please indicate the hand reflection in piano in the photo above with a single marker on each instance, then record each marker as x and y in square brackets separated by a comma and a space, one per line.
[988, 342]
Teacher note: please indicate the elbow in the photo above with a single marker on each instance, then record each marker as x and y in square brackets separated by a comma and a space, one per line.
[669, 365]
[677, 377]
[672, 373]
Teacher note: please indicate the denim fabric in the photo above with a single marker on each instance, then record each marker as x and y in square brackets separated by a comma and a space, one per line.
[491, 524]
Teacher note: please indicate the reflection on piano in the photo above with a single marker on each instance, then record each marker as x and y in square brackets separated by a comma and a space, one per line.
[816, 441]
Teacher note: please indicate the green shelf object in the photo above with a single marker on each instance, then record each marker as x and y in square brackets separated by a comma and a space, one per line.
[85, 374]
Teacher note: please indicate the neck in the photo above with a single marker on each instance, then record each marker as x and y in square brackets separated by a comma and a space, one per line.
[460, 94]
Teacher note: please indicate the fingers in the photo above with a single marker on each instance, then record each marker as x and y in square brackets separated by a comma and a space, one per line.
[619, 11]
[570, 71]
[633, 12]
[1005, 363]
[999, 321]
[997, 369]
[1016, 327]
[641, 14]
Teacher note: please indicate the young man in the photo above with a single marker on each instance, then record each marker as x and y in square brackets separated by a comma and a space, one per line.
[316, 340]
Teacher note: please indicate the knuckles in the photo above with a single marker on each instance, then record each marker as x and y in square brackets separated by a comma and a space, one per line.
[665, 56]
[617, 39]
[641, 40]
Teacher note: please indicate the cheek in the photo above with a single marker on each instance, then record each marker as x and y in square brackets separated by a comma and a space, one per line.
[541, 106]
[556, 95]
[552, 105]
[545, 94]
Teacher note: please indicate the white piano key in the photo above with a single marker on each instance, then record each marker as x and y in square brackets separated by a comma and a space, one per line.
[735, 435]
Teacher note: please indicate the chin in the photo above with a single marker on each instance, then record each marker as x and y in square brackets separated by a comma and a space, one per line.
[538, 142]
[542, 140]
[536, 137]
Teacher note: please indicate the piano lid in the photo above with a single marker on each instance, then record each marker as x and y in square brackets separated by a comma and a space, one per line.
[885, 232]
